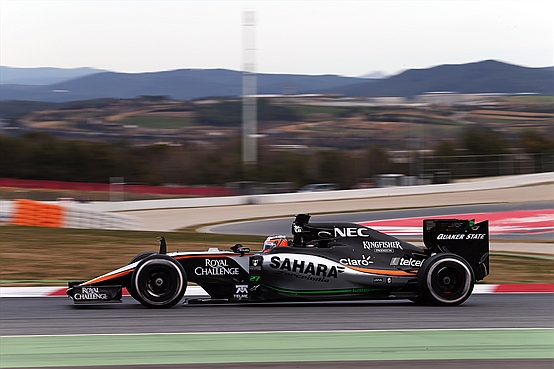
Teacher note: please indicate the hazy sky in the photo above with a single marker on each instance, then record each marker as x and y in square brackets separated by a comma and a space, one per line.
[349, 38]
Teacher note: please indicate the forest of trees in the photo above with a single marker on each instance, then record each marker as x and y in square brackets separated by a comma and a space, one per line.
[38, 156]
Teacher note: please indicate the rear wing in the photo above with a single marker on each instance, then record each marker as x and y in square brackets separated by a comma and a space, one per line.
[466, 238]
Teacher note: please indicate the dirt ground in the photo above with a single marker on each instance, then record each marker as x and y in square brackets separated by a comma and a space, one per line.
[35, 256]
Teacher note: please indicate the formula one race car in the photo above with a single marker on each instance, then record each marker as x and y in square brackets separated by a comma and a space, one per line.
[323, 261]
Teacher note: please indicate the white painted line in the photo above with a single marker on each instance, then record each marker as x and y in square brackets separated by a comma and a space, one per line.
[484, 288]
[285, 332]
[60, 291]
[27, 291]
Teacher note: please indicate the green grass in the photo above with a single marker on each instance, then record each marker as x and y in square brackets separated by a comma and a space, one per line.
[304, 110]
[156, 122]
[532, 99]
[278, 349]
[507, 121]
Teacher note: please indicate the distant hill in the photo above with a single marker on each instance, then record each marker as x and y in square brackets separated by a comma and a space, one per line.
[374, 75]
[488, 76]
[187, 84]
[183, 84]
[42, 76]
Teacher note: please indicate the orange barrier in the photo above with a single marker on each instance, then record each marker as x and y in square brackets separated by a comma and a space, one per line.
[35, 213]
[24, 212]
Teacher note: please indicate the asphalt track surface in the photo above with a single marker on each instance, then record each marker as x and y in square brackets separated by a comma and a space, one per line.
[58, 315]
[497, 329]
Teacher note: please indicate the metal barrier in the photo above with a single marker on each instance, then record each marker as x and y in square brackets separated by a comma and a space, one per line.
[471, 166]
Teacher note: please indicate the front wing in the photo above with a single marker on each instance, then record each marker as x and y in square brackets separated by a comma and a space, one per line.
[94, 294]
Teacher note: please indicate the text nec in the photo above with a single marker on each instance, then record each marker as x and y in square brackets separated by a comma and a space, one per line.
[350, 232]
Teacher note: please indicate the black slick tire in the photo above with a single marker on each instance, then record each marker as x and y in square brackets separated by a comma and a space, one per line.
[142, 255]
[158, 281]
[139, 257]
[445, 279]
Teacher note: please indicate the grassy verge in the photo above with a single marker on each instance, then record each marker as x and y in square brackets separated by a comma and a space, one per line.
[34, 256]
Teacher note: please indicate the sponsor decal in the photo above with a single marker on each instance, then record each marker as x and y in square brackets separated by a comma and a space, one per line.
[297, 228]
[409, 262]
[378, 280]
[256, 263]
[471, 236]
[350, 232]
[361, 290]
[389, 280]
[378, 245]
[305, 269]
[363, 261]
[241, 292]
[241, 288]
[383, 251]
[90, 293]
[216, 267]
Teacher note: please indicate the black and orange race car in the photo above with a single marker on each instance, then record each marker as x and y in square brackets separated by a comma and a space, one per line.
[322, 261]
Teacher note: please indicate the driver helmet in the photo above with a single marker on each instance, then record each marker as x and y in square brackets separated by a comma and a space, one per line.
[276, 240]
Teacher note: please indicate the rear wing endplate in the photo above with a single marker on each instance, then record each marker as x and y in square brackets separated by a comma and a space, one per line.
[463, 237]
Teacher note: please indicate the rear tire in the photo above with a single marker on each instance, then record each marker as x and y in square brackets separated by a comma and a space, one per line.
[159, 281]
[446, 279]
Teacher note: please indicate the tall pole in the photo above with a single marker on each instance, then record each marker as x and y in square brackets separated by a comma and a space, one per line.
[249, 90]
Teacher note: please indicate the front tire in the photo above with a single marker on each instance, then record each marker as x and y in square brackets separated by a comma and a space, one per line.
[159, 281]
[139, 257]
[142, 255]
[446, 279]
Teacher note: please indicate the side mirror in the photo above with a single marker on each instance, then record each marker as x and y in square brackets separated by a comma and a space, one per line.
[238, 248]
[163, 245]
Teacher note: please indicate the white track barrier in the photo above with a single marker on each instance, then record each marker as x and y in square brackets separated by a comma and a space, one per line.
[495, 183]
[104, 215]
[6, 210]
[76, 217]
[91, 219]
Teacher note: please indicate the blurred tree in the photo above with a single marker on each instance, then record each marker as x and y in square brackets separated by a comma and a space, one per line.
[534, 142]
[445, 148]
[378, 161]
[229, 113]
[333, 167]
[270, 112]
[282, 166]
[11, 158]
[483, 141]
[226, 113]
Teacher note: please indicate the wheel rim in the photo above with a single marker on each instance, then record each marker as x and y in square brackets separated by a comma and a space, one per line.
[449, 281]
[159, 282]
